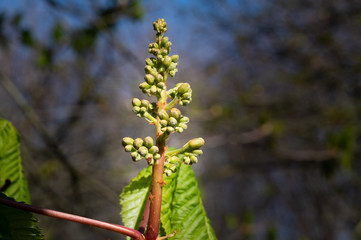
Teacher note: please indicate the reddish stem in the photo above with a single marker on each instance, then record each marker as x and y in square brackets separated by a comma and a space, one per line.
[144, 221]
[74, 218]
[156, 192]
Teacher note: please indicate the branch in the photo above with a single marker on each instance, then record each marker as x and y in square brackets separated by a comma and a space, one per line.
[74, 218]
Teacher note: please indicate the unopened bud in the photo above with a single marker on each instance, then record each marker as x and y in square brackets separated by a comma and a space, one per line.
[163, 115]
[175, 112]
[175, 58]
[149, 62]
[170, 129]
[154, 149]
[193, 159]
[145, 103]
[196, 143]
[184, 119]
[144, 85]
[172, 121]
[143, 151]
[167, 61]
[149, 79]
[138, 142]
[148, 142]
[174, 159]
[127, 141]
[129, 148]
[197, 152]
[136, 102]
[182, 89]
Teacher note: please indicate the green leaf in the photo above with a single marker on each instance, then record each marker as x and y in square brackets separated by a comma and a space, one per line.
[182, 207]
[16, 224]
[134, 198]
[11, 165]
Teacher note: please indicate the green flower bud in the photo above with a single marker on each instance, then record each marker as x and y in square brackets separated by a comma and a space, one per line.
[185, 102]
[153, 45]
[187, 95]
[153, 89]
[149, 62]
[179, 129]
[153, 149]
[159, 77]
[163, 123]
[149, 156]
[136, 109]
[184, 119]
[148, 142]
[160, 26]
[170, 129]
[135, 156]
[127, 141]
[172, 73]
[183, 88]
[136, 102]
[129, 148]
[168, 172]
[164, 51]
[186, 160]
[174, 159]
[138, 142]
[196, 143]
[175, 112]
[163, 114]
[150, 70]
[172, 66]
[156, 156]
[193, 159]
[197, 152]
[167, 61]
[183, 125]
[175, 58]
[142, 110]
[172, 121]
[143, 151]
[161, 85]
[149, 79]
[173, 168]
[145, 103]
[144, 85]
[164, 41]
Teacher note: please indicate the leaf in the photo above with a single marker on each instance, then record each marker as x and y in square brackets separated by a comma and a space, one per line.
[182, 207]
[16, 224]
[11, 164]
[134, 198]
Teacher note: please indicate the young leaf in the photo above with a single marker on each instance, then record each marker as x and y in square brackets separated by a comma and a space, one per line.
[182, 207]
[16, 224]
[134, 198]
[10, 164]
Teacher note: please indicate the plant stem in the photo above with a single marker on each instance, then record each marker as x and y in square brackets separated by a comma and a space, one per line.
[156, 193]
[74, 218]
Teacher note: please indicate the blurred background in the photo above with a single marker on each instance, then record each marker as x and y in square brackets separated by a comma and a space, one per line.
[277, 97]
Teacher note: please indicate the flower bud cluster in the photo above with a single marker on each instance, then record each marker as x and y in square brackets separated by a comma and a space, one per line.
[160, 26]
[187, 154]
[170, 165]
[174, 121]
[183, 92]
[141, 148]
[193, 151]
[141, 107]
